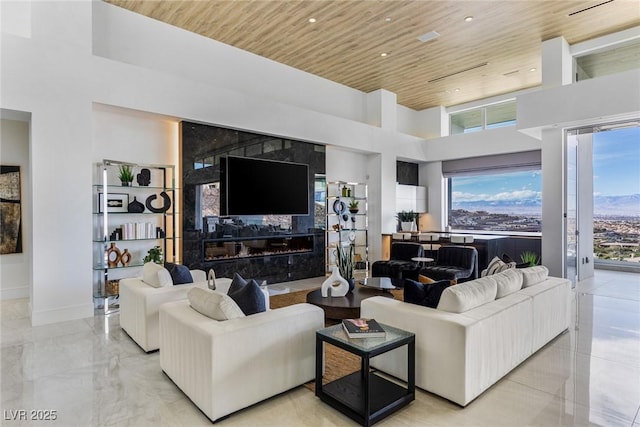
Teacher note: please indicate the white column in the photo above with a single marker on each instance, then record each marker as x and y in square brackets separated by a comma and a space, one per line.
[553, 201]
[381, 109]
[557, 63]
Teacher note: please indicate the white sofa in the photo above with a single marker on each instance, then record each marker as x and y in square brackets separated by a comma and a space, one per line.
[225, 366]
[473, 339]
[139, 304]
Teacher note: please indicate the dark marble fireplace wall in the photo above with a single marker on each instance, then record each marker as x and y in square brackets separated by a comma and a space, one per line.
[206, 144]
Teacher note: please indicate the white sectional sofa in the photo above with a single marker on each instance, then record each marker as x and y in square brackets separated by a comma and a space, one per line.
[225, 366]
[140, 301]
[473, 338]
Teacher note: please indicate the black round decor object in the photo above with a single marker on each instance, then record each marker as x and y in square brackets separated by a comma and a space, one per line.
[164, 208]
[135, 207]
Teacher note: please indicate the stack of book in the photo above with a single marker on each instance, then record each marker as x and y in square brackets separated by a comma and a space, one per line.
[363, 328]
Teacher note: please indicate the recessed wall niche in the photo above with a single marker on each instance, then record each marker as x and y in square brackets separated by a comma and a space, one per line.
[271, 248]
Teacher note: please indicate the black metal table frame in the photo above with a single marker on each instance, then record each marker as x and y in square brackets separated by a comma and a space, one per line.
[365, 417]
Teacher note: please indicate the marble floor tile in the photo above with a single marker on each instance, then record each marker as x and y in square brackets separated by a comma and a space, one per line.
[93, 374]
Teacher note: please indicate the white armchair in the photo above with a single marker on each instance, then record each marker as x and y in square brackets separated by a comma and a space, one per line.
[139, 304]
[225, 366]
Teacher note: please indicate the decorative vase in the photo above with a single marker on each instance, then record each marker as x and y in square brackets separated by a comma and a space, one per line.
[125, 183]
[113, 255]
[135, 206]
[352, 284]
[407, 225]
[354, 211]
[335, 285]
[125, 258]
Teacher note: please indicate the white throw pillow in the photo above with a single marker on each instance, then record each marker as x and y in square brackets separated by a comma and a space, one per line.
[534, 275]
[213, 304]
[465, 296]
[496, 265]
[156, 275]
[508, 281]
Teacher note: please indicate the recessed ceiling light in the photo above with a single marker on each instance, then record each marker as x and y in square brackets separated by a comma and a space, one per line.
[387, 19]
[383, 54]
[532, 69]
[457, 89]
[468, 18]
[312, 20]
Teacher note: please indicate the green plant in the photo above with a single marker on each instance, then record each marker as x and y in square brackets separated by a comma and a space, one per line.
[404, 216]
[353, 205]
[154, 255]
[126, 173]
[530, 258]
[345, 256]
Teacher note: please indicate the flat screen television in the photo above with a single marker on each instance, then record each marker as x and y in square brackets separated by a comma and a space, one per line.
[251, 186]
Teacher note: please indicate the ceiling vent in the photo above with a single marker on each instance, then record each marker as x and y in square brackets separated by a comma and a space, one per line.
[590, 7]
[511, 73]
[458, 72]
[431, 35]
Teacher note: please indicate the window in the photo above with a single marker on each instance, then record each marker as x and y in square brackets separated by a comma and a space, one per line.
[617, 59]
[500, 193]
[487, 117]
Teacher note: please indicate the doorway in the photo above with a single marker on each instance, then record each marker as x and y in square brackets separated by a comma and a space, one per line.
[602, 213]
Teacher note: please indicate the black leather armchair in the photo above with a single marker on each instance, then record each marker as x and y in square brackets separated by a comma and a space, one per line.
[454, 263]
[400, 261]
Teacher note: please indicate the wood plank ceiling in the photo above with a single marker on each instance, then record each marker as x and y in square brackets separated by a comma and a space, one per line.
[497, 52]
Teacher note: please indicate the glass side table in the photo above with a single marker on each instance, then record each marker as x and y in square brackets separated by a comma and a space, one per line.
[366, 396]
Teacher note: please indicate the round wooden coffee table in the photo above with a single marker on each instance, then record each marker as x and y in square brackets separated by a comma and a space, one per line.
[346, 307]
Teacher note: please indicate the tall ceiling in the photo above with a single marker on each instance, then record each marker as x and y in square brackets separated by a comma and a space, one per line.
[498, 51]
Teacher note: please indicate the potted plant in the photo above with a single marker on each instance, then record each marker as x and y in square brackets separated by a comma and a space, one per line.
[125, 175]
[353, 207]
[345, 256]
[407, 220]
[529, 257]
[154, 255]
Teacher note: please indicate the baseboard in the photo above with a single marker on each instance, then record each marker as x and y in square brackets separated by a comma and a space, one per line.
[63, 314]
[14, 293]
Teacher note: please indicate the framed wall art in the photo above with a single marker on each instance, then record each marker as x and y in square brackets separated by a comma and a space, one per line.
[116, 202]
[10, 210]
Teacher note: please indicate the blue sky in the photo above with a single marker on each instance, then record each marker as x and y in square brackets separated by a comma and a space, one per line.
[616, 170]
[616, 162]
[495, 188]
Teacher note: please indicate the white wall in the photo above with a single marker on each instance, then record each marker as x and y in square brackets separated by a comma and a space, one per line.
[151, 44]
[15, 276]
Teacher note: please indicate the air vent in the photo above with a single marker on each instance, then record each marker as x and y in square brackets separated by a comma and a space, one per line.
[429, 36]
[511, 73]
[458, 72]
[590, 7]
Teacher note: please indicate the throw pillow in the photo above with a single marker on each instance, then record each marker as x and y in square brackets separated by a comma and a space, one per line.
[247, 294]
[508, 281]
[427, 295]
[156, 275]
[214, 305]
[468, 295]
[534, 275]
[497, 265]
[180, 274]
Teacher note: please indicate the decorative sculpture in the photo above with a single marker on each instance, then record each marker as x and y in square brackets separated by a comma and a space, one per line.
[335, 285]
[165, 207]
